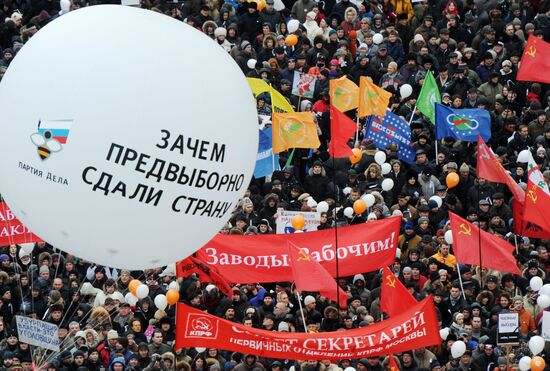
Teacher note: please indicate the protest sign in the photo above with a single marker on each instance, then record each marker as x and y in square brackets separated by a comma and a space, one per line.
[38, 333]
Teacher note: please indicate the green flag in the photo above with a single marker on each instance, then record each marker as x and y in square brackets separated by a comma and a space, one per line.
[429, 95]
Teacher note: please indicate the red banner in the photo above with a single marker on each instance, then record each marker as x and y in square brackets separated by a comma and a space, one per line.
[192, 265]
[12, 231]
[523, 228]
[248, 259]
[414, 328]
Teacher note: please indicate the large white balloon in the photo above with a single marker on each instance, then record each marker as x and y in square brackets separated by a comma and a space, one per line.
[437, 199]
[369, 199]
[536, 344]
[348, 211]
[117, 177]
[346, 190]
[293, 25]
[161, 301]
[322, 207]
[142, 291]
[27, 247]
[449, 237]
[174, 285]
[386, 168]
[523, 156]
[405, 90]
[311, 202]
[380, 157]
[377, 38]
[545, 290]
[387, 184]
[130, 299]
[65, 6]
[458, 349]
[444, 333]
[524, 363]
[536, 283]
[543, 301]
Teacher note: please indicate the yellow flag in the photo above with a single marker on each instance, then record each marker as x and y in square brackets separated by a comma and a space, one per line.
[259, 86]
[294, 130]
[373, 100]
[344, 94]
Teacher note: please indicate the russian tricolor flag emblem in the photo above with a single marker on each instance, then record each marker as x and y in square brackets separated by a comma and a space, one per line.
[59, 128]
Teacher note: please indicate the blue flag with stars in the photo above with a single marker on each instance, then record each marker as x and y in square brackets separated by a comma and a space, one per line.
[391, 129]
[462, 124]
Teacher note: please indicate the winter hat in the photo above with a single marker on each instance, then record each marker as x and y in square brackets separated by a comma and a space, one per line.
[43, 269]
[309, 300]
[311, 15]
[283, 326]
[244, 44]
[358, 277]
[111, 335]
[409, 225]
[220, 31]
[464, 167]
[418, 37]
[423, 219]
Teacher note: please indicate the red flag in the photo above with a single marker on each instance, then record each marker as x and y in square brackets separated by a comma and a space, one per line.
[192, 265]
[537, 197]
[525, 228]
[490, 168]
[497, 253]
[309, 275]
[341, 129]
[394, 298]
[393, 364]
[535, 61]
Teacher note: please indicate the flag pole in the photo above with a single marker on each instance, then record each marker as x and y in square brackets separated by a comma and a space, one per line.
[460, 280]
[479, 238]
[301, 308]
[337, 199]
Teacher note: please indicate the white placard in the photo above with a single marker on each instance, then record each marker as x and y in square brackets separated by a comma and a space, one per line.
[284, 224]
[38, 333]
[545, 333]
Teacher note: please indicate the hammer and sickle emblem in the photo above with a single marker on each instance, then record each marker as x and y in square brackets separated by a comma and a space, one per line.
[531, 51]
[465, 229]
[303, 256]
[532, 195]
[390, 280]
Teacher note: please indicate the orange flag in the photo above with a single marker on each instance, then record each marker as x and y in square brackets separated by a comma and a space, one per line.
[309, 275]
[373, 100]
[394, 298]
[344, 94]
[294, 130]
[467, 238]
[535, 60]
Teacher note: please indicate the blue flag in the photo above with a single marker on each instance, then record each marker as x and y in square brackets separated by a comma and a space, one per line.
[462, 124]
[391, 129]
[266, 161]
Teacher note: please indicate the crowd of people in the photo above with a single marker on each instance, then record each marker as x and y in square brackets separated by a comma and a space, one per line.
[473, 48]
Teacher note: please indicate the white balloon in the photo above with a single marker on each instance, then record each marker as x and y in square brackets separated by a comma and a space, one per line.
[437, 199]
[251, 63]
[377, 38]
[346, 191]
[398, 253]
[369, 199]
[298, 231]
[536, 283]
[386, 168]
[126, 162]
[200, 350]
[543, 301]
[142, 291]
[524, 363]
[536, 344]
[293, 25]
[380, 157]
[348, 211]
[387, 184]
[405, 90]
[523, 156]
[174, 285]
[449, 237]
[545, 290]
[444, 333]
[65, 6]
[458, 348]
[311, 202]
[27, 247]
[279, 5]
[161, 302]
[130, 299]
[322, 207]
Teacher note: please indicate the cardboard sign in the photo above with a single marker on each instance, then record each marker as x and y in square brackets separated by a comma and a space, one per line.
[508, 328]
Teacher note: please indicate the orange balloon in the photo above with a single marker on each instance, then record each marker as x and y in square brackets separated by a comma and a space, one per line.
[291, 40]
[353, 34]
[355, 156]
[172, 296]
[359, 206]
[133, 285]
[537, 364]
[298, 222]
[452, 180]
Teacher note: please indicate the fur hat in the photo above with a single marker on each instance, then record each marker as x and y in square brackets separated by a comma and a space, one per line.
[220, 31]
